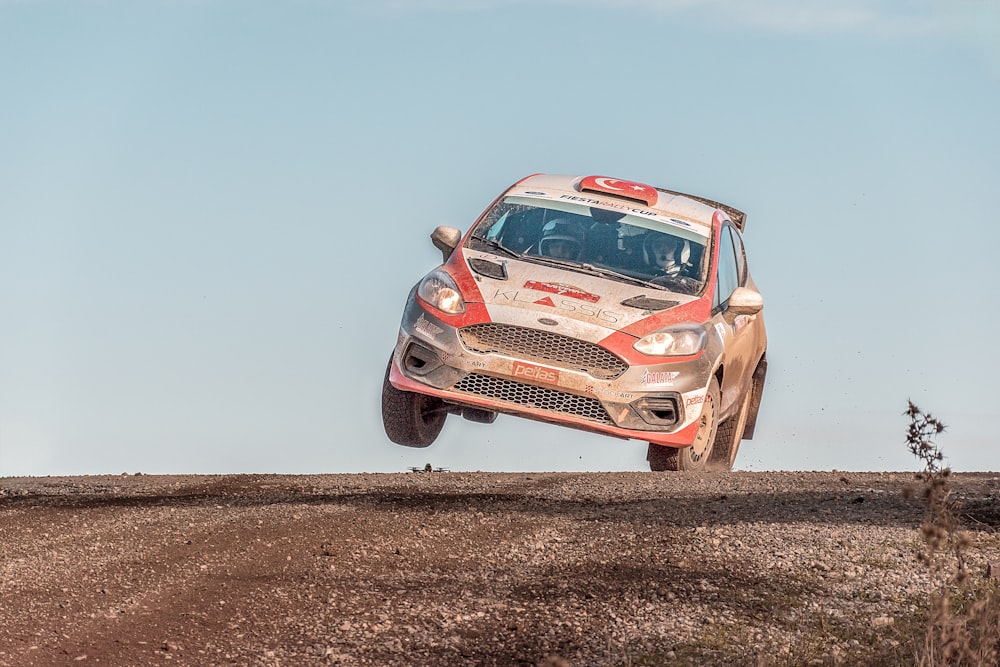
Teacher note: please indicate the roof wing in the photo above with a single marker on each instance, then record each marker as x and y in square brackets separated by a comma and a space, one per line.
[738, 217]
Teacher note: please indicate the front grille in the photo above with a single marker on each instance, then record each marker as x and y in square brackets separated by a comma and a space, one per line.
[531, 396]
[546, 346]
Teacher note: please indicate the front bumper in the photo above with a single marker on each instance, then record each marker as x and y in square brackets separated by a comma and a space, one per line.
[543, 375]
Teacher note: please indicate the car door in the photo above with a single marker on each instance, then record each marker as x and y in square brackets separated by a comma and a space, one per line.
[737, 331]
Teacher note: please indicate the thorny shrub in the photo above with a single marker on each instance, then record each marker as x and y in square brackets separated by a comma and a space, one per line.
[962, 629]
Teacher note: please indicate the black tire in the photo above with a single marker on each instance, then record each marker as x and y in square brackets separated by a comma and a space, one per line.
[759, 375]
[410, 419]
[699, 455]
[729, 436]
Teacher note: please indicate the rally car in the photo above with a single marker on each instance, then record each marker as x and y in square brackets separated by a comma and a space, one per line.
[591, 302]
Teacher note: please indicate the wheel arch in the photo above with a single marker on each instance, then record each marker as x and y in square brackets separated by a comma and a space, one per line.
[719, 373]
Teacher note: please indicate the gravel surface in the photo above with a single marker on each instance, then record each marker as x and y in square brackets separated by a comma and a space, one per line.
[440, 568]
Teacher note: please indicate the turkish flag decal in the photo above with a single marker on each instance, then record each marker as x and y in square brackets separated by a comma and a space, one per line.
[647, 194]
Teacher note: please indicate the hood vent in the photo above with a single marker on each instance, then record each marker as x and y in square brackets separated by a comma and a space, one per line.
[488, 268]
[648, 303]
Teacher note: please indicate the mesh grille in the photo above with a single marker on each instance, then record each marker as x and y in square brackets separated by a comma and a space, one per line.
[534, 397]
[533, 344]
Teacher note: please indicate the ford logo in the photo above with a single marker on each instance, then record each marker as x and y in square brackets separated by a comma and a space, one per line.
[547, 322]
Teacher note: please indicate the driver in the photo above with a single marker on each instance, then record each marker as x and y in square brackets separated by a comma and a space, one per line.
[666, 254]
[561, 239]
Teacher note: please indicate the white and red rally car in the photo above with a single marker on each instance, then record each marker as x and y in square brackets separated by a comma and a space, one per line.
[590, 302]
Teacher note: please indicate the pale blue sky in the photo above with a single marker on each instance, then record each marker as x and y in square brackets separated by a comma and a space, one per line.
[212, 211]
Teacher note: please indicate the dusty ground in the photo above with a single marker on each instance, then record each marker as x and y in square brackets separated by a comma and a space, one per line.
[470, 569]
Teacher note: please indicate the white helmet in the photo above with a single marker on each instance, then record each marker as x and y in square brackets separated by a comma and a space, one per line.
[666, 252]
[561, 229]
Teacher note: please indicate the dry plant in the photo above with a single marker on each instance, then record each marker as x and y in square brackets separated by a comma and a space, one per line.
[963, 628]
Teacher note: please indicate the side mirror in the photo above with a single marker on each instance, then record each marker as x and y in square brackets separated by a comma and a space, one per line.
[745, 301]
[446, 239]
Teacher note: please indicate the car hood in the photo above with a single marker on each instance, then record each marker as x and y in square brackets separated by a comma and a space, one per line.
[573, 303]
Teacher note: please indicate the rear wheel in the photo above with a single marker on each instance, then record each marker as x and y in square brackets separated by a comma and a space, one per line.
[409, 418]
[759, 374]
[729, 436]
[698, 455]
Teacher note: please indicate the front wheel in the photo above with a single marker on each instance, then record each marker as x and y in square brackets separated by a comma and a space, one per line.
[409, 418]
[699, 454]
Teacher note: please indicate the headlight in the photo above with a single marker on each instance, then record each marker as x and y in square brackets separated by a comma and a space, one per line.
[680, 341]
[439, 289]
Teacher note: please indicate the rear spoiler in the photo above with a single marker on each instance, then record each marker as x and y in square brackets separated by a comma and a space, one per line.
[738, 217]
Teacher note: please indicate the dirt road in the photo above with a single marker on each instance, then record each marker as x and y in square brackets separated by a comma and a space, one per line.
[470, 569]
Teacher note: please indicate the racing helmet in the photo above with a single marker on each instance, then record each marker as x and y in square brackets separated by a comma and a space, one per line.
[665, 250]
[562, 239]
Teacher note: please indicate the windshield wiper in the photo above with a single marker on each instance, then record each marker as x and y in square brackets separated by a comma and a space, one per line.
[552, 261]
[496, 245]
[592, 270]
[611, 273]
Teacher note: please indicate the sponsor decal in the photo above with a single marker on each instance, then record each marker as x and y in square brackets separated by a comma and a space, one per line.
[562, 290]
[634, 210]
[427, 328]
[562, 304]
[720, 329]
[533, 372]
[661, 378]
[693, 404]
[617, 207]
[608, 393]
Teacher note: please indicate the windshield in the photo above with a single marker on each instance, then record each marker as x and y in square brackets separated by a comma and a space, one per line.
[652, 250]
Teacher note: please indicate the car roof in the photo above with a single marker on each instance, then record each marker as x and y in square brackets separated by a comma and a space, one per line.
[614, 190]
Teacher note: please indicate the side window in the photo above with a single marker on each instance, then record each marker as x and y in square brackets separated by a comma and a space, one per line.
[728, 271]
[741, 258]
